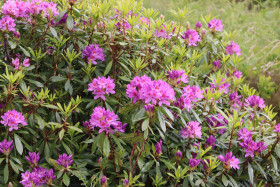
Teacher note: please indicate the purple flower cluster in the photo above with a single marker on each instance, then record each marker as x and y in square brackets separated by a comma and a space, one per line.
[103, 181]
[6, 147]
[191, 37]
[217, 64]
[175, 77]
[7, 24]
[158, 148]
[232, 48]
[191, 130]
[13, 119]
[255, 102]
[193, 163]
[215, 25]
[101, 86]
[64, 160]
[93, 53]
[222, 86]
[38, 177]
[234, 99]
[277, 128]
[210, 141]
[105, 120]
[27, 9]
[217, 121]
[251, 147]
[156, 92]
[162, 32]
[229, 161]
[179, 155]
[16, 63]
[190, 95]
[33, 159]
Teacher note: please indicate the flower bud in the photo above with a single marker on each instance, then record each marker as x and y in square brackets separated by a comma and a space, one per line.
[99, 161]
[203, 32]
[197, 26]
[179, 155]
[17, 36]
[188, 26]
[103, 181]
[149, 109]
[72, 2]
[126, 183]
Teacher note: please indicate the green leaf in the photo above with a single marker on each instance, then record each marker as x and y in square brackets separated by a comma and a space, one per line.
[70, 22]
[225, 180]
[145, 124]
[66, 179]
[61, 134]
[140, 115]
[261, 170]
[168, 164]
[75, 128]
[38, 84]
[147, 166]
[25, 52]
[106, 147]
[167, 111]
[57, 79]
[108, 68]
[6, 174]
[118, 142]
[54, 164]
[251, 173]
[233, 181]
[161, 121]
[68, 150]
[68, 87]
[19, 145]
[14, 166]
[53, 31]
[274, 163]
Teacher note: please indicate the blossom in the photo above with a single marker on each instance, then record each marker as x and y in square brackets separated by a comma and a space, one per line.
[229, 161]
[191, 130]
[233, 48]
[13, 119]
[103, 181]
[215, 25]
[244, 134]
[179, 155]
[15, 63]
[210, 141]
[125, 183]
[234, 99]
[238, 74]
[191, 37]
[252, 147]
[197, 26]
[193, 163]
[38, 177]
[105, 120]
[49, 177]
[64, 160]
[222, 86]
[25, 62]
[6, 147]
[190, 95]
[255, 102]
[122, 25]
[162, 32]
[158, 148]
[175, 77]
[217, 121]
[277, 128]
[33, 158]
[134, 87]
[93, 53]
[217, 64]
[101, 86]
[7, 24]
[17, 35]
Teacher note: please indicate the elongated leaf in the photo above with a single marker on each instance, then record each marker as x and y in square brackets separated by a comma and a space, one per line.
[14, 166]
[139, 115]
[70, 22]
[106, 147]
[75, 128]
[147, 166]
[161, 121]
[53, 31]
[108, 68]
[19, 145]
[57, 78]
[66, 179]
[6, 174]
[145, 124]
[61, 134]
[251, 173]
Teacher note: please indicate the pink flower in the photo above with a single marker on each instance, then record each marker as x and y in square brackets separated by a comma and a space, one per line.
[191, 130]
[15, 62]
[191, 37]
[102, 86]
[7, 24]
[234, 99]
[12, 118]
[64, 160]
[193, 163]
[217, 64]
[255, 102]
[105, 120]
[215, 25]
[244, 134]
[93, 53]
[158, 148]
[277, 128]
[222, 86]
[25, 62]
[33, 158]
[252, 148]
[238, 74]
[229, 161]
[176, 77]
[6, 147]
[233, 48]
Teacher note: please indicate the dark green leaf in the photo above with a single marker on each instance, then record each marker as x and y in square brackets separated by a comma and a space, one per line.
[106, 147]
[6, 174]
[57, 79]
[145, 124]
[148, 166]
[19, 145]
[53, 31]
[161, 121]
[108, 68]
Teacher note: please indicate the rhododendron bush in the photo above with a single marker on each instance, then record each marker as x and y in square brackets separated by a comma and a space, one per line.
[108, 93]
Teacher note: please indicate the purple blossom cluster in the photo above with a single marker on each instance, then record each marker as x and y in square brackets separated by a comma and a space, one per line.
[16, 63]
[105, 120]
[38, 177]
[277, 128]
[233, 48]
[6, 147]
[190, 95]
[27, 9]
[64, 160]
[162, 32]
[229, 161]
[13, 119]
[215, 25]
[222, 86]
[175, 77]
[217, 121]
[193, 163]
[191, 37]
[255, 102]
[7, 24]
[210, 141]
[191, 130]
[234, 100]
[93, 53]
[251, 147]
[101, 86]
[157, 92]
[158, 148]
[33, 159]
[217, 64]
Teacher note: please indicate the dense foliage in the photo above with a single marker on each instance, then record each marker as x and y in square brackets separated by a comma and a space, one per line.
[107, 93]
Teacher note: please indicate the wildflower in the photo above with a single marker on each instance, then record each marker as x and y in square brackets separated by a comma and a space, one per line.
[86, 125]
[193, 163]
[222, 86]
[64, 160]
[235, 99]
[191, 37]
[215, 25]
[30, 179]
[217, 64]
[238, 74]
[277, 128]
[122, 25]
[33, 159]
[179, 155]
[103, 181]
[126, 183]
[252, 148]
[49, 177]
[63, 19]
[191, 130]
[17, 36]
[162, 32]
[25, 62]
[233, 48]
[105, 120]
[15, 62]
[244, 134]
[197, 26]
[210, 141]
[158, 148]
[175, 77]
[101, 86]
[255, 102]
[13, 119]
[93, 53]
[7, 24]
[217, 121]
[6, 147]
[229, 161]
